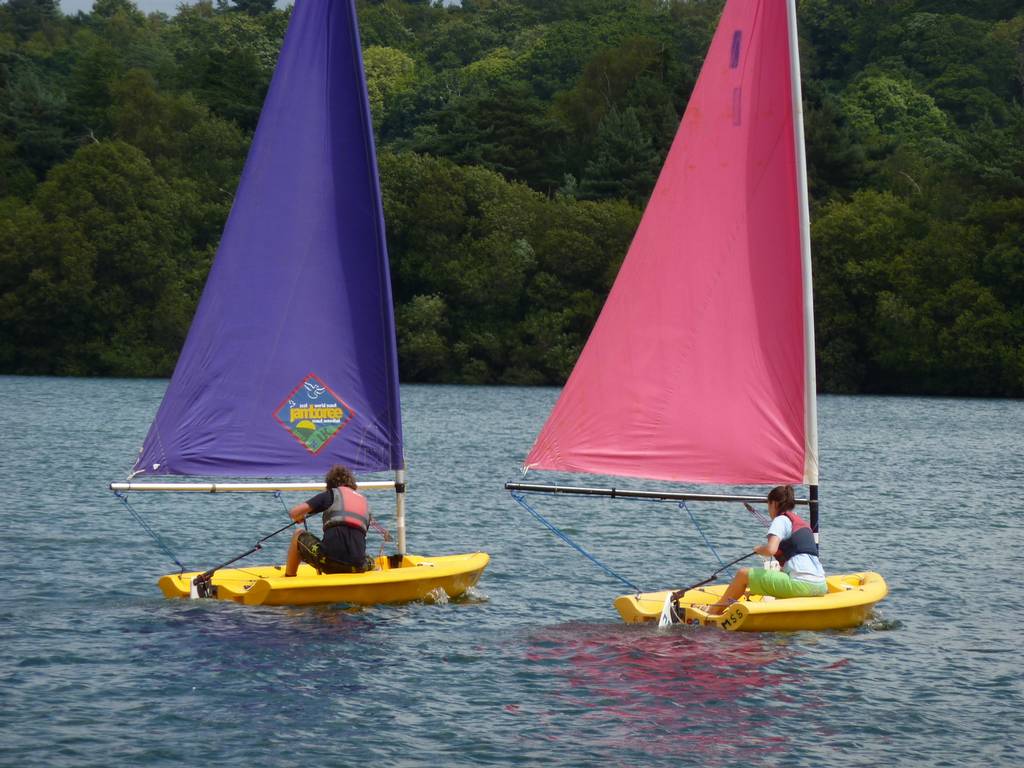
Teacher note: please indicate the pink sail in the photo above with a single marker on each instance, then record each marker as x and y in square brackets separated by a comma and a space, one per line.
[695, 370]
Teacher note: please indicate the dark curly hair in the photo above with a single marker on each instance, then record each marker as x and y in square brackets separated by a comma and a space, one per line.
[340, 475]
[783, 496]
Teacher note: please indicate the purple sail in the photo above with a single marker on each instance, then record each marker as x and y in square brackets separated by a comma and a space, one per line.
[290, 364]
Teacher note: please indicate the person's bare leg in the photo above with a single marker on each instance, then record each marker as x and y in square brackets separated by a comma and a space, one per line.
[291, 566]
[736, 588]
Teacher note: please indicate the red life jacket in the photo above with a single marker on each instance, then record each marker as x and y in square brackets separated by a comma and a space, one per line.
[800, 542]
[349, 508]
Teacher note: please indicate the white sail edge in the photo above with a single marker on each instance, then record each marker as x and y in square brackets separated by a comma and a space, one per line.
[383, 485]
[810, 375]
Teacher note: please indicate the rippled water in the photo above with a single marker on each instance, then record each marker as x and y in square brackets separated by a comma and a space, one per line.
[535, 667]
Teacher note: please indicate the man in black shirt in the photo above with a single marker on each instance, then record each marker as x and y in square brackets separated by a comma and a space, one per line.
[346, 518]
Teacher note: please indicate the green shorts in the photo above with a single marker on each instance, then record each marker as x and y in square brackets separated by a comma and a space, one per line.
[781, 584]
[311, 551]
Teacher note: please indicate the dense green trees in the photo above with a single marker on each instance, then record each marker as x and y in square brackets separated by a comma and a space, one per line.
[96, 274]
[494, 282]
[519, 140]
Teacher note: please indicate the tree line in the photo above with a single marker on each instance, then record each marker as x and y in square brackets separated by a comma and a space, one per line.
[518, 142]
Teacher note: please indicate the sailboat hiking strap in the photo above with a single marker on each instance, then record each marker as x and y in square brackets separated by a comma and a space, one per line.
[565, 537]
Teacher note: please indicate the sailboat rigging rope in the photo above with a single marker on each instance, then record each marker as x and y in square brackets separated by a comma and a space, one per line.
[277, 495]
[759, 516]
[696, 525]
[156, 537]
[162, 544]
[521, 500]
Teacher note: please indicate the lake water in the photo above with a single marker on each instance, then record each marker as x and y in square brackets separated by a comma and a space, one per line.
[535, 667]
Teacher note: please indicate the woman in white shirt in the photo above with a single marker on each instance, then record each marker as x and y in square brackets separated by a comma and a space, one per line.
[791, 542]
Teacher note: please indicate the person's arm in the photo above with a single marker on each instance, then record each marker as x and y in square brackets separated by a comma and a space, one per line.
[777, 531]
[769, 549]
[313, 506]
[300, 512]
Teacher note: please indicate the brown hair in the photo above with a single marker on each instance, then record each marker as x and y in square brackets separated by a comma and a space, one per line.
[338, 476]
[783, 496]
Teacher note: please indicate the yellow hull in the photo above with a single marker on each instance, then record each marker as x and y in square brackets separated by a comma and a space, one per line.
[416, 578]
[847, 604]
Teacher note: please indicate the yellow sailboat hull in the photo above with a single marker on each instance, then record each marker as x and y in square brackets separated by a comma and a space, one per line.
[847, 604]
[414, 578]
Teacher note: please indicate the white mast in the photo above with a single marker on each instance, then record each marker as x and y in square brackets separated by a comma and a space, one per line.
[810, 379]
[400, 508]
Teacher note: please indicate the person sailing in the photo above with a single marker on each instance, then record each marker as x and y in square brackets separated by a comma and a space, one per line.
[791, 542]
[346, 518]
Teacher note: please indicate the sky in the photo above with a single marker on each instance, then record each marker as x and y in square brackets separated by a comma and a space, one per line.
[71, 7]
[169, 7]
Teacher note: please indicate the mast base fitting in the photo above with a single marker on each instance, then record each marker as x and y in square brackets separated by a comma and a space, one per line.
[204, 587]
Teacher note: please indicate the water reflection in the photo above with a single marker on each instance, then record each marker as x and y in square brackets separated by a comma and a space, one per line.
[685, 692]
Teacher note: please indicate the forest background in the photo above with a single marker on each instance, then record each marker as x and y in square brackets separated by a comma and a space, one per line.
[518, 141]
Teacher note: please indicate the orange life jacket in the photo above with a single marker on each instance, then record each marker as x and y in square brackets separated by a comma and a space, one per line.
[348, 508]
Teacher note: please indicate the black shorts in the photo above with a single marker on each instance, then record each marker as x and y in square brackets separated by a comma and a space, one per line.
[311, 551]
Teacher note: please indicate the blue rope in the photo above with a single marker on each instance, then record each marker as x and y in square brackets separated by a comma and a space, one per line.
[697, 526]
[277, 495]
[564, 537]
[156, 537]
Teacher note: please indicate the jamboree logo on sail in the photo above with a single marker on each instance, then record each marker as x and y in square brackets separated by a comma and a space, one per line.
[313, 413]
